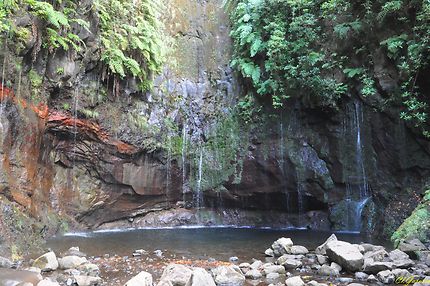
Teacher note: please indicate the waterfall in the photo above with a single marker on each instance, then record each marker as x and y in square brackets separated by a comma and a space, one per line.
[184, 159]
[198, 193]
[75, 134]
[281, 161]
[357, 186]
[168, 167]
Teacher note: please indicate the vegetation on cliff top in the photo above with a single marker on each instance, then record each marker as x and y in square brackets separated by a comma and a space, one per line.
[321, 50]
[130, 33]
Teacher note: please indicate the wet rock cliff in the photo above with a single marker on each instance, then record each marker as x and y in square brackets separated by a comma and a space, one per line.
[76, 153]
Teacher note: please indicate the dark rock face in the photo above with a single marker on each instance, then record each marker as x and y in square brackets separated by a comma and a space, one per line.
[107, 160]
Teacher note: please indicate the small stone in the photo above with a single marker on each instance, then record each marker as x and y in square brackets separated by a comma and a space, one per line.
[256, 264]
[361, 276]
[274, 268]
[326, 270]
[274, 277]
[158, 253]
[200, 277]
[47, 282]
[233, 259]
[386, 277]
[295, 281]
[315, 283]
[69, 262]
[344, 280]
[336, 266]
[253, 274]
[82, 280]
[269, 252]
[298, 249]
[292, 264]
[322, 259]
[372, 279]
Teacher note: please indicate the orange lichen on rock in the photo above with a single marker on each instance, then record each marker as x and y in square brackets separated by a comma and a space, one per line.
[7, 94]
[89, 128]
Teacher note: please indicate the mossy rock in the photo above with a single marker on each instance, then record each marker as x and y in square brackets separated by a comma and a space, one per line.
[417, 225]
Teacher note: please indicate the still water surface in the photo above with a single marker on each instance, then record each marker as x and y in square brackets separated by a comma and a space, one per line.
[194, 243]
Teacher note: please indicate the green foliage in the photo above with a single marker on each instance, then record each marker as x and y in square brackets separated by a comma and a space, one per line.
[298, 48]
[6, 9]
[417, 225]
[131, 37]
[276, 46]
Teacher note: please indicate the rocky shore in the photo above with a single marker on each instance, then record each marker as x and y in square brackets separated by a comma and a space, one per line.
[335, 262]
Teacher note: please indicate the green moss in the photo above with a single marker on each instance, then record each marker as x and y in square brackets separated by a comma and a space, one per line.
[417, 225]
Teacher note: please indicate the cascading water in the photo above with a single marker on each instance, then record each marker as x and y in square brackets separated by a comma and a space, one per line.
[357, 186]
[184, 161]
[198, 193]
[168, 167]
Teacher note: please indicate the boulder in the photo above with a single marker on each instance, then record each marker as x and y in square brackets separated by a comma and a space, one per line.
[47, 262]
[200, 277]
[141, 279]
[282, 246]
[227, 276]
[411, 247]
[322, 248]
[345, 254]
[176, 274]
[386, 277]
[74, 251]
[69, 262]
[378, 255]
[401, 273]
[397, 254]
[373, 267]
[83, 280]
[326, 270]
[295, 281]
[298, 249]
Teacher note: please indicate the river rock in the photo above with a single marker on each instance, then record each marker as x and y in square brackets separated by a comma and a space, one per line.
[298, 249]
[253, 274]
[83, 280]
[292, 263]
[69, 262]
[361, 276]
[344, 280]
[227, 276]
[89, 269]
[336, 266]
[273, 268]
[74, 251]
[176, 274]
[141, 279]
[282, 246]
[377, 255]
[47, 282]
[326, 270]
[322, 248]
[400, 273]
[295, 281]
[5, 263]
[47, 262]
[411, 246]
[200, 277]
[322, 259]
[269, 252]
[345, 254]
[257, 264]
[386, 277]
[372, 279]
[397, 254]
[315, 283]
[373, 267]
